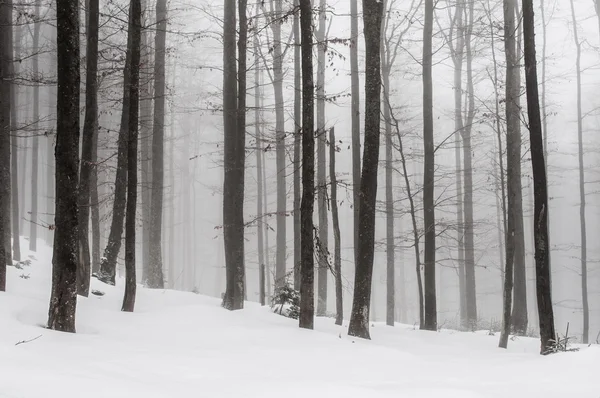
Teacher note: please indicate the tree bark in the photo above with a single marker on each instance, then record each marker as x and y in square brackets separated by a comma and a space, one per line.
[35, 154]
[155, 273]
[430, 321]
[108, 263]
[259, 173]
[582, 201]
[389, 202]
[512, 159]
[519, 312]
[14, 123]
[542, 253]
[297, 148]
[359, 318]
[146, 143]
[307, 304]
[234, 108]
[134, 44]
[470, 284]
[90, 127]
[63, 300]
[355, 118]
[323, 252]
[5, 104]
[280, 256]
[337, 251]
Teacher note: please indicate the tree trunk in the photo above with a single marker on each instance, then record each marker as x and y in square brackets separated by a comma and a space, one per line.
[430, 321]
[108, 263]
[389, 202]
[6, 204]
[171, 245]
[280, 263]
[519, 312]
[234, 108]
[297, 148]
[134, 44]
[63, 300]
[146, 144]
[307, 301]
[14, 123]
[355, 117]
[155, 278]
[512, 159]
[470, 284]
[36, 143]
[457, 51]
[542, 253]
[582, 201]
[323, 246]
[337, 251]
[259, 173]
[359, 318]
[5, 104]
[90, 126]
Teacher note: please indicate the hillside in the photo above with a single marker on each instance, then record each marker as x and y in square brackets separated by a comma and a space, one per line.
[185, 345]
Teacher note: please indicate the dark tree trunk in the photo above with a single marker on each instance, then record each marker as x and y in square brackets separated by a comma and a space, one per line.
[337, 251]
[430, 317]
[307, 286]
[6, 204]
[14, 126]
[297, 147]
[542, 252]
[155, 275]
[108, 263]
[512, 158]
[5, 60]
[90, 127]
[134, 44]
[355, 117]
[583, 234]
[323, 246]
[63, 300]
[234, 114]
[359, 318]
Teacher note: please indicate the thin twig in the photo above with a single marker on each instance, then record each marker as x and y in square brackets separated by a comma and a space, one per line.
[28, 341]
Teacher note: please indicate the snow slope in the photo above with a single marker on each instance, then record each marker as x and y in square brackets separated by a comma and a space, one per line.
[185, 345]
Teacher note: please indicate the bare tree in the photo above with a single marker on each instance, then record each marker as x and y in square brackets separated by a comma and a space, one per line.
[90, 131]
[321, 165]
[542, 252]
[63, 299]
[337, 251]
[297, 146]
[355, 117]
[234, 114]
[307, 301]
[583, 234]
[14, 127]
[512, 158]
[5, 60]
[36, 143]
[359, 318]
[430, 316]
[133, 44]
[155, 273]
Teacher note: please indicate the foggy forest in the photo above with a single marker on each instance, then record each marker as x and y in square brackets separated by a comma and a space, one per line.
[417, 178]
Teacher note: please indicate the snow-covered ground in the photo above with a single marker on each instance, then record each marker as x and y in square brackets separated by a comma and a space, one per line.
[185, 345]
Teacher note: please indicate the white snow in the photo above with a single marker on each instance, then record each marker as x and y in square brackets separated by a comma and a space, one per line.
[185, 345]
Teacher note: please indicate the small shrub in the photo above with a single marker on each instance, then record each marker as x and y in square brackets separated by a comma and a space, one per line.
[286, 301]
